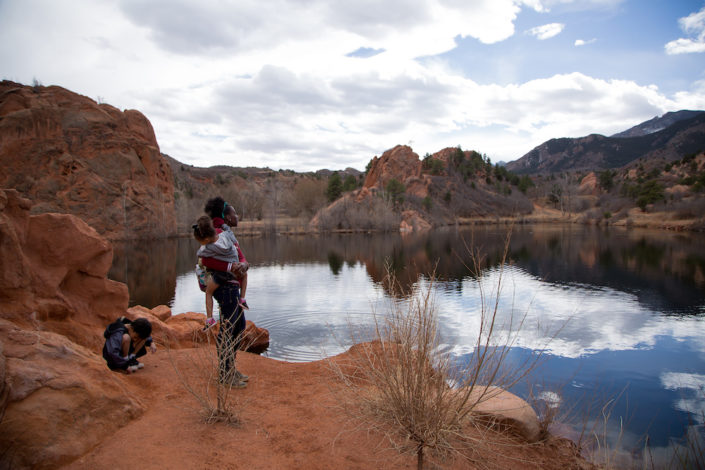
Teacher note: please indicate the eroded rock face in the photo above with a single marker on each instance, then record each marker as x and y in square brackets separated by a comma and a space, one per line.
[53, 272]
[588, 185]
[400, 163]
[412, 221]
[69, 154]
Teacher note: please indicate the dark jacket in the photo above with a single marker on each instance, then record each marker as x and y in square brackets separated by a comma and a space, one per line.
[112, 350]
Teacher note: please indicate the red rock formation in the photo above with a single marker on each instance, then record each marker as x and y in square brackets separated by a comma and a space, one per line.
[62, 399]
[53, 273]
[588, 185]
[57, 397]
[504, 409]
[399, 162]
[68, 154]
[182, 330]
[412, 221]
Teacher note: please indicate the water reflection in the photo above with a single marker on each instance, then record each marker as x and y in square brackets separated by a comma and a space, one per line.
[619, 310]
[665, 271]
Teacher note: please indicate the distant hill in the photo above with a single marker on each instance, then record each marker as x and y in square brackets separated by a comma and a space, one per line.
[657, 123]
[597, 152]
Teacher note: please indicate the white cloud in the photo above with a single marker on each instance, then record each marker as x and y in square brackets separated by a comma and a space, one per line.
[570, 320]
[684, 46]
[583, 42]
[546, 31]
[275, 84]
[693, 25]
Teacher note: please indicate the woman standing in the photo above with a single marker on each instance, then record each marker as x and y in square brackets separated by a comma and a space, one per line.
[232, 315]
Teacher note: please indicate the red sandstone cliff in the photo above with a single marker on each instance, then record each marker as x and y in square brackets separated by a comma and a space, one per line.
[69, 154]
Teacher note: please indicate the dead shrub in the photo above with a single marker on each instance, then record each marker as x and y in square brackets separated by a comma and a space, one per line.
[344, 214]
[201, 372]
[410, 388]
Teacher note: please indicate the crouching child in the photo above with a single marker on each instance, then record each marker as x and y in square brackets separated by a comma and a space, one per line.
[125, 341]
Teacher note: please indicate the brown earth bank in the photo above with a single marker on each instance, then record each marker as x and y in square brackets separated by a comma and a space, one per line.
[60, 406]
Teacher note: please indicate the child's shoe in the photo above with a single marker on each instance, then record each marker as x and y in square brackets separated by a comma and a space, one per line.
[243, 304]
[209, 323]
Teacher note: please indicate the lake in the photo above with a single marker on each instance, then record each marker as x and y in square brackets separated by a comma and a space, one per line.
[622, 311]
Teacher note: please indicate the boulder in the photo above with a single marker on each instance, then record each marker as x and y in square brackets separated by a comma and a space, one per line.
[86, 159]
[255, 339]
[412, 221]
[505, 410]
[185, 329]
[62, 400]
[162, 312]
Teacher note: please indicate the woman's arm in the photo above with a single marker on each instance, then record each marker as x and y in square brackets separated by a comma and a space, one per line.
[218, 265]
[240, 254]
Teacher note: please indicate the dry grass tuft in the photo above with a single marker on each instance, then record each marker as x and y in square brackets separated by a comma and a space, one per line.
[202, 374]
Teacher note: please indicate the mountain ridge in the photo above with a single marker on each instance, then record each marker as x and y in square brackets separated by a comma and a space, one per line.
[597, 152]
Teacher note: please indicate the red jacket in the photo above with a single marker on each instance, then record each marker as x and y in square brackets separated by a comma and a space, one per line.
[217, 264]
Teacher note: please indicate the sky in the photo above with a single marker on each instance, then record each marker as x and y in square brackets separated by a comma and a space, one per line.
[323, 84]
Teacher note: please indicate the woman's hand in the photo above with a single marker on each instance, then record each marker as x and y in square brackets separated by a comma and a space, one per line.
[239, 269]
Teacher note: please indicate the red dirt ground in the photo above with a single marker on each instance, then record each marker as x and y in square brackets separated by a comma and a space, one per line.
[290, 418]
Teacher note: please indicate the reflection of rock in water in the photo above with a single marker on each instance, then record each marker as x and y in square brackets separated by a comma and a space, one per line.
[665, 264]
[149, 268]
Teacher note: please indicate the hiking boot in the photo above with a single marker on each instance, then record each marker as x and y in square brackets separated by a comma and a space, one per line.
[233, 382]
[242, 377]
[243, 303]
[132, 369]
[140, 365]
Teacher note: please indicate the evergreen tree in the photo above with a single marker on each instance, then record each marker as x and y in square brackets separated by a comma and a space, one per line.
[335, 187]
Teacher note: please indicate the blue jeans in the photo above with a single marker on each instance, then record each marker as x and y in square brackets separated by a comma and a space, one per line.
[232, 326]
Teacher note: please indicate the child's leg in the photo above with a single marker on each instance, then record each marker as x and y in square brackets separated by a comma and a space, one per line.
[211, 286]
[243, 289]
[243, 286]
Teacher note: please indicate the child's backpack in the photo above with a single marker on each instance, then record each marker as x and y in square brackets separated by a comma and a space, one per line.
[201, 277]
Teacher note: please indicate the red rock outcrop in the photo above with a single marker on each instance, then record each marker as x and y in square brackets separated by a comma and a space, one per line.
[53, 271]
[400, 163]
[506, 410]
[412, 221]
[588, 185]
[62, 400]
[57, 397]
[182, 330]
[69, 154]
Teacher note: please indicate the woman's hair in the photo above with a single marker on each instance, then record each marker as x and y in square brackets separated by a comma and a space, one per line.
[203, 228]
[215, 207]
[142, 327]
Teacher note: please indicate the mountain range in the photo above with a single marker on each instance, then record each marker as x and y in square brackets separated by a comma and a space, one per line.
[669, 137]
